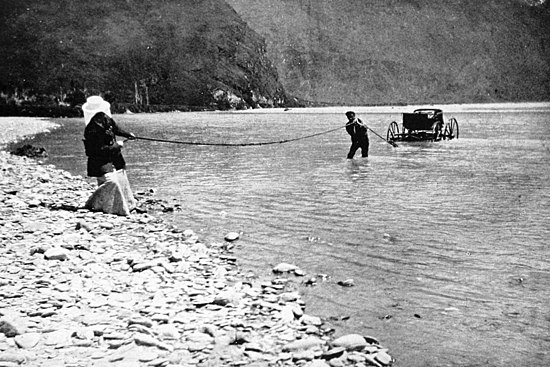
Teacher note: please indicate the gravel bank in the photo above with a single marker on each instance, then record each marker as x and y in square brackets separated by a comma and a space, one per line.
[13, 129]
[79, 288]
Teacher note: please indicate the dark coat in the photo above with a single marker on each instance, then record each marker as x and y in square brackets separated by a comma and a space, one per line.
[359, 137]
[104, 153]
[357, 129]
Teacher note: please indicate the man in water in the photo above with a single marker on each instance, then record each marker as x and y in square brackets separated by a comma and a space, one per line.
[359, 136]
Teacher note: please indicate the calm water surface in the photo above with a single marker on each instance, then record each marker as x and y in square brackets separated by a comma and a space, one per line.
[447, 242]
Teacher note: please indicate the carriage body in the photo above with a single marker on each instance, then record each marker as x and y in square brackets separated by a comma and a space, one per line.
[424, 124]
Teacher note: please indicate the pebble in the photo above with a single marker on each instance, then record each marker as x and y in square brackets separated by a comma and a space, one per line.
[135, 291]
[12, 357]
[350, 342]
[306, 355]
[60, 337]
[9, 328]
[147, 356]
[141, 321]
[168, 331]
[372, 360]
[311, 320]
[384, 358]
[284, 268]
[232, 236]
[346, 283]
[333, 353]
[318, 363]
[27, 340]
[56, 253]
[301, 344]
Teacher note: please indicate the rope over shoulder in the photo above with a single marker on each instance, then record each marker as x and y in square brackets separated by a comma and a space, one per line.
[239, 144]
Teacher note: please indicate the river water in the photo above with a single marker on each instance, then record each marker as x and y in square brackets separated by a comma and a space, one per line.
[447, 242]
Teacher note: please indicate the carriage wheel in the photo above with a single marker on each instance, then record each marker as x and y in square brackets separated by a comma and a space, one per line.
[393, 132]
[447, 132]
[453, 128]
[437, 131]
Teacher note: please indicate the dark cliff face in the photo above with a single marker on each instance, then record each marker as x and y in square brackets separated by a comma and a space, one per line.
[406, 51]
[195, 52]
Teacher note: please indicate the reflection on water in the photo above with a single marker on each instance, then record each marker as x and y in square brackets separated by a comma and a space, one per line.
[446, 242]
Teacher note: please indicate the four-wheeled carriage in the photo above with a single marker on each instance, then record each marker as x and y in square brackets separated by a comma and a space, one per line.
[425, 124]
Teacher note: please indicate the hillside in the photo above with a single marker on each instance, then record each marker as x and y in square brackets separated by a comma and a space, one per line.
[136, 51]
[240, 54]
[406, 51]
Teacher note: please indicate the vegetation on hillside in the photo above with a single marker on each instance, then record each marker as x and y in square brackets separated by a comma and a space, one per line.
[142, 52]
[407, 51]
[150, 55]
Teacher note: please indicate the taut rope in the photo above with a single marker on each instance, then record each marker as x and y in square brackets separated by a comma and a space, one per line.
[238, 144]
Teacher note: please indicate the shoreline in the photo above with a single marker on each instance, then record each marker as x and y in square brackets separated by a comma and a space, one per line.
[14, 129]
[81, 288]
[398, 109]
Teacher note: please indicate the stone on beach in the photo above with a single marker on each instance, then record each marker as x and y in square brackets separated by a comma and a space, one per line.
[12, 357]
[384, 358]
[346, 283]
[284, 268]
[147, 340]
[88, 288]
[350, 342]
[56, 253]
[168, 331]
[59, 337]
[27, 340]
[302, 344]
[12, 326]
[232, 236]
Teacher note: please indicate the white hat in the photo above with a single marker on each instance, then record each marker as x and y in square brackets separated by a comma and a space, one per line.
[93, 105]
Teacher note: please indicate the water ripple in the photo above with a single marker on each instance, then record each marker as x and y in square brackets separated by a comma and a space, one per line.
[456, 231]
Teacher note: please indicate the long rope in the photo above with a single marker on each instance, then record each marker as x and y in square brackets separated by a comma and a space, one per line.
[258, 143]
[381, 137]
[238, 144]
